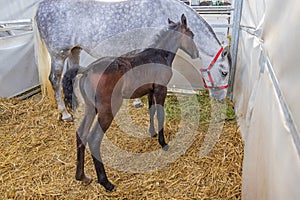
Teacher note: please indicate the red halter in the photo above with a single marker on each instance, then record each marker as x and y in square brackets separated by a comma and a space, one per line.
[202, 70]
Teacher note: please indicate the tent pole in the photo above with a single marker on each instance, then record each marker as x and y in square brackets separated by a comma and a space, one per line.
[238, 7]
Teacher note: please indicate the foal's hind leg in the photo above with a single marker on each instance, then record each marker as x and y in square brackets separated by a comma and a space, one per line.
[81, 138]
[94, 141]
[105, 117]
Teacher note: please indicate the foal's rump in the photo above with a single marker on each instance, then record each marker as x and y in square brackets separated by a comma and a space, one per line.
[96, 81]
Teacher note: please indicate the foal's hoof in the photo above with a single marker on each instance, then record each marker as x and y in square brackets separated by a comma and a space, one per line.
[166, 147]
[109, 187]
[85, 180]
[153, 134]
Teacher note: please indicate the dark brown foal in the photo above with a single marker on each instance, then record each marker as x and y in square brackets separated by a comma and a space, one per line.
[105, 83]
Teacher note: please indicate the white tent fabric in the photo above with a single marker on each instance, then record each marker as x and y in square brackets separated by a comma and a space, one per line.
[18, 71]
[266, 93]
[17, 9]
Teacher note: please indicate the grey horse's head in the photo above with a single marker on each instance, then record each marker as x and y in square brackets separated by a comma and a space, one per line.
[216, 75]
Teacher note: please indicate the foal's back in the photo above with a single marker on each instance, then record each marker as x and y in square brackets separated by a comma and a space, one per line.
[148, 68]
[129, 76]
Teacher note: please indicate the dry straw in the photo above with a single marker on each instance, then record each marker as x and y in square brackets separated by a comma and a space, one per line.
[38, 156]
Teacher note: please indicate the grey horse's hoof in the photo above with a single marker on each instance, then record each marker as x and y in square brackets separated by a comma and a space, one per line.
[69, 119]
[66, 117]
[137, 103]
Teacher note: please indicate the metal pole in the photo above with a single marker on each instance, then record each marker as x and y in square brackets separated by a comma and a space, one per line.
[238, 8]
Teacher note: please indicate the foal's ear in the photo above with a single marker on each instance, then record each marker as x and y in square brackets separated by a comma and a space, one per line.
[171, 22]
[183, 20]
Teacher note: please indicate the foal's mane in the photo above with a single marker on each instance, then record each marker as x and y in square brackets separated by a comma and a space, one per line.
[156, 39]
[163, 32]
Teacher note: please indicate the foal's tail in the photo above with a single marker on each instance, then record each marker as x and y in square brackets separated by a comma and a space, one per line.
[43, 62]
[68, 87]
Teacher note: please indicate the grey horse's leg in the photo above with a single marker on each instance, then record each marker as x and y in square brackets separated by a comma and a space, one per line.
[137, 103]
[57, 64]
[72, 61]
[151, 110]
[74, 58]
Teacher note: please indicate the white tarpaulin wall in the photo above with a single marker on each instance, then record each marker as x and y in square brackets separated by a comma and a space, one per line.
[18, 71]
[266, 97]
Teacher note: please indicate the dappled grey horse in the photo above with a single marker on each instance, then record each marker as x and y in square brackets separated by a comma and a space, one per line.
[113, 28]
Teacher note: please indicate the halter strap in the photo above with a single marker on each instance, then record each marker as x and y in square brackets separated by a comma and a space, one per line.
[216, 58]
[207, 70]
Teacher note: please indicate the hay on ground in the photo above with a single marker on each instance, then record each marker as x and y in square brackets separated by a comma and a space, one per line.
[38, 157]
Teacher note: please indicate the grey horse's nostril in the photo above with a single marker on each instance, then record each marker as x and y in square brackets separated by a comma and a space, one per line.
[221, 101]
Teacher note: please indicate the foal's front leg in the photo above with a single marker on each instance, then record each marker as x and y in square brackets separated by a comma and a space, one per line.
[160, 94]
[152, 110]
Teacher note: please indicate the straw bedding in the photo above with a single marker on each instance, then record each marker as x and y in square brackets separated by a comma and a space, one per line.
[38, 156]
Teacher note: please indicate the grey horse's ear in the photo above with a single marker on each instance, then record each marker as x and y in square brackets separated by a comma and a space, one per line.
[171, 22]
[183, 20]
[225, 51]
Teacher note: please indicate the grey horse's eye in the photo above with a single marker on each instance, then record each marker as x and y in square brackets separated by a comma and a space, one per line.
[224, 74]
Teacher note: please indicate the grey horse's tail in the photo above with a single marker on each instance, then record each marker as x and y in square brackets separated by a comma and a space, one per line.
[43, 62]
[68, 87]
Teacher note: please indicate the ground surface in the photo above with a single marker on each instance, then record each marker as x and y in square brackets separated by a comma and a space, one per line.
[38, 156]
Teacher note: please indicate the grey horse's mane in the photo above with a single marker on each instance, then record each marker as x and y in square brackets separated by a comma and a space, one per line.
[211, 31]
